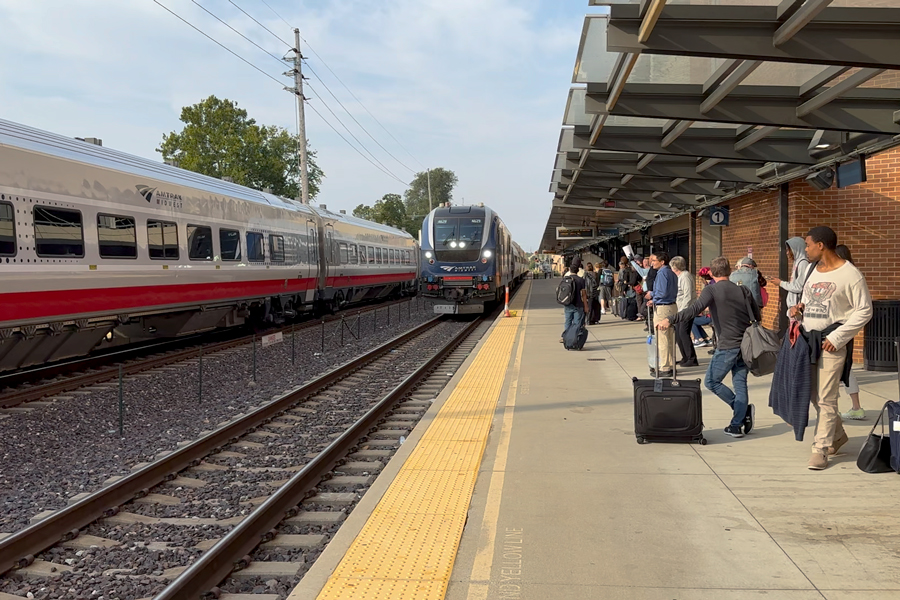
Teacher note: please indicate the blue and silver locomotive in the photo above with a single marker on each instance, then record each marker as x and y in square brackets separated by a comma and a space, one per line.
[468, 258]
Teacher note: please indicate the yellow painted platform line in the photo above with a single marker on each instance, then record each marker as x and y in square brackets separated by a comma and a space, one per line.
[407, 548]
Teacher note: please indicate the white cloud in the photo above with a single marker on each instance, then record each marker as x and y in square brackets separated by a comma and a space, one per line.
[476, 86]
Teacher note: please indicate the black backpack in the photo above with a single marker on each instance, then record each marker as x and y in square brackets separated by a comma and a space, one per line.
[565, 291]
[590, 284]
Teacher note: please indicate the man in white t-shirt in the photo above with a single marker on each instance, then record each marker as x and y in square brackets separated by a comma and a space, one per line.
[835, 292]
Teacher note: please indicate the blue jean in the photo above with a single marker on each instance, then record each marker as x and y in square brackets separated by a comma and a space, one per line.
[697, 329]
[574, 314]
[722, 363]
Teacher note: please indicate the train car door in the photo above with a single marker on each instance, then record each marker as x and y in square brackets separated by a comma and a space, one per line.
[332, 263]
[312, 256]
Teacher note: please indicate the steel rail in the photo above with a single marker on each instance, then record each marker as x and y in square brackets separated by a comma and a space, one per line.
[16, 397]
[18, 549]
[229, 553]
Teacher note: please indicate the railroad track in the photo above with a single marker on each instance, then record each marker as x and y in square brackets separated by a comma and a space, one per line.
[239, 455]
[91, 370]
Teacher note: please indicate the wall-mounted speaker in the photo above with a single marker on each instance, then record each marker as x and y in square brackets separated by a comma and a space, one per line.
[821, 180]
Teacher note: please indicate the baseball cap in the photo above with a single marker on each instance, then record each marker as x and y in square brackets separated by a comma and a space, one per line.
[746, 262]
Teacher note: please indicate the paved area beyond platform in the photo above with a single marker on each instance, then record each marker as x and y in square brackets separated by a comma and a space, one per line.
[568, 506]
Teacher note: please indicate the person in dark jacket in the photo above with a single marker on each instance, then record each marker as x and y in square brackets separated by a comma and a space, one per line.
[727, 303]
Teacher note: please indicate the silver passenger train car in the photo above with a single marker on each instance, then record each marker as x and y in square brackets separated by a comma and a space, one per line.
[98, 247]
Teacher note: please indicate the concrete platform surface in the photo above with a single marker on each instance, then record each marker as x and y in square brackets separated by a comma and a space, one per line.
[567, 505]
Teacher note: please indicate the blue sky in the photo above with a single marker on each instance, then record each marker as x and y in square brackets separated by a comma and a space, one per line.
[475, 86]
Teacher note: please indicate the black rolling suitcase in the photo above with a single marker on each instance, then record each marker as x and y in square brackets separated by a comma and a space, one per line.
[667, 410]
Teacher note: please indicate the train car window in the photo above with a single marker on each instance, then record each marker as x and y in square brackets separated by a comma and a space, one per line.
[470, 230]
[58, 232]
[354, 254]
[200, 246]
[117, 236]
[345, 253]
[276, 247]
[378, 259]
[230, 244]
[163, 239]
[393, 254]
[444, 232]
[255, 250]
[371, 254]
[7, 230]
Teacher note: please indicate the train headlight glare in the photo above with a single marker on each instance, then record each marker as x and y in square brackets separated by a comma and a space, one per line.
[462, 244]
[487, 253]
[453, 244]
[428, 255]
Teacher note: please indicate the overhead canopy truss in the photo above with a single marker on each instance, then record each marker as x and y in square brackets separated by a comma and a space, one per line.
[681, 106]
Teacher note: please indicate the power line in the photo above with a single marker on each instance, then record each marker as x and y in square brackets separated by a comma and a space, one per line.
[276, 14]
[260, 24]
[311, 49]
[313, 108]
[363, 146]
[280, 83]
[316, 75]
[236, 31]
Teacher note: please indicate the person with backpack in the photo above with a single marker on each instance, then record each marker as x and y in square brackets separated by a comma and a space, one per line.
[591, 287]
[727, 303]
[746, 275]
[606, 279]
[572, 295]
[629, 281]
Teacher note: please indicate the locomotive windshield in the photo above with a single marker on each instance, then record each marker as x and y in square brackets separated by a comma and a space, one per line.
[470, 230]
[444, 232]
[465, 230]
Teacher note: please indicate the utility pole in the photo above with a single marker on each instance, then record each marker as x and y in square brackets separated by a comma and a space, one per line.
[301, 118]
[430, 205]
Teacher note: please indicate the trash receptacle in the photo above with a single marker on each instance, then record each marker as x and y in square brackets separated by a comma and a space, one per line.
[879, 351]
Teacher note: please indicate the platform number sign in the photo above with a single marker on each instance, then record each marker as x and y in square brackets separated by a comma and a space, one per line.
[718, 215]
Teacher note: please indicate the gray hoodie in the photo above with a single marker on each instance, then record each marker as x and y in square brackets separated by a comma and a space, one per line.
[794, 287]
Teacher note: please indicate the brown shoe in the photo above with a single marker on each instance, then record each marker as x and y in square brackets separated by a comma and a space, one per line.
[818, 461]
[837, 444]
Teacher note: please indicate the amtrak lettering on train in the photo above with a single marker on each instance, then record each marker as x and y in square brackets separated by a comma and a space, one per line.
[468, 258]
[98, 247]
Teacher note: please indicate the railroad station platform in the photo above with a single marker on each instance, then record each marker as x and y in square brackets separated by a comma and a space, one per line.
[566, 505]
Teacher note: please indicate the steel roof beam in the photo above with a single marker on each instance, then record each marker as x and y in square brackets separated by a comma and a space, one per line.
[740, 73]
[857, 37]
[645, 160]
[651, 184]
[784, 146]
[650, 17]
[863, 109]
[602, 193]
[756, 135]
[822, 79]
[799, 17]
[743, 172]
[838, 89]
[707, 164]
[621, 72]
[673, 133]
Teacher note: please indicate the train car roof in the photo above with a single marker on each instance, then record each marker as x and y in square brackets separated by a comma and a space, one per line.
[43, 142]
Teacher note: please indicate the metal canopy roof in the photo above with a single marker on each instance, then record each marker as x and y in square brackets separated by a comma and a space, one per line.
[679, 106]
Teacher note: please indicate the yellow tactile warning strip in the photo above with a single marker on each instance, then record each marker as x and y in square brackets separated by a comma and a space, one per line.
[407, 548]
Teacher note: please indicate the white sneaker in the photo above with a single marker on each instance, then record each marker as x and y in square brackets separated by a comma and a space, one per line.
[602, 311]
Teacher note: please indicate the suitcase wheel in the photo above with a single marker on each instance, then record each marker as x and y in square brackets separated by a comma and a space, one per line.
[641, 440]
[702, 441]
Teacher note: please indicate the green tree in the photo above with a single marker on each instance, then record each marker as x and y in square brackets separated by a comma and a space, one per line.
[416, 196]
[221, 140]
[389, 210]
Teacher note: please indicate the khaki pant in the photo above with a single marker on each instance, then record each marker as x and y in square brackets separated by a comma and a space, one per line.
[666, 339]
[825, 382]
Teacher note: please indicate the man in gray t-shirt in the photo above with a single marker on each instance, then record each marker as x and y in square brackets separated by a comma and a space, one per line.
[727, 304]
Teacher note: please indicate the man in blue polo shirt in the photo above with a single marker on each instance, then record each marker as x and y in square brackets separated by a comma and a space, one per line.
[665, 291]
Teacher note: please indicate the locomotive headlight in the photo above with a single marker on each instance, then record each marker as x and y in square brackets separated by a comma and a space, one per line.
[453, 244]
[462, 244]
[487, 253]
[428, 255]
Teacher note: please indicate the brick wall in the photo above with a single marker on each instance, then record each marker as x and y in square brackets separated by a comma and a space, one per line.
[754, 224]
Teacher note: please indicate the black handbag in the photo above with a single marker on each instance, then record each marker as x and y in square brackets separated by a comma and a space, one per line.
[875, 454]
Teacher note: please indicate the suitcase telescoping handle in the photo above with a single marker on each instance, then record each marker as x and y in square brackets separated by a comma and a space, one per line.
[655, 334]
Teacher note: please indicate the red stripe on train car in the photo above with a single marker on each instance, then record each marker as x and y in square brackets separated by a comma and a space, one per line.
[22, 306]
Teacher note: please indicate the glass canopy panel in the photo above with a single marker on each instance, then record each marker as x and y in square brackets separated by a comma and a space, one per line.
[575, 115]
[594, 63]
